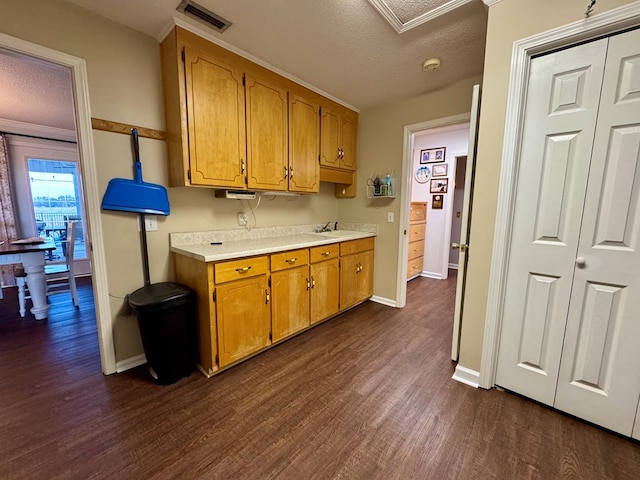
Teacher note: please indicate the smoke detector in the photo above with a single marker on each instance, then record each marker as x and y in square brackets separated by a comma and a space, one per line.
[431, 64]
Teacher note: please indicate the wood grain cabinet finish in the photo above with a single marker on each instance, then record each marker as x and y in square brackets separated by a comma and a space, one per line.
[290, 288]
[417, 227]
[247, 304]
[233, 124]
[242, 299]
[339, 138]
[215, 103]
[325, 282]
[356, 271]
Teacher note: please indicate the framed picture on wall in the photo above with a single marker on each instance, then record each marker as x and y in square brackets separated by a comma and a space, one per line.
[440, 170]
[432, 155]
[438, 185]
[436, 202]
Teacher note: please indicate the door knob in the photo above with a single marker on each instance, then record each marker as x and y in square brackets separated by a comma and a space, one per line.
[462, 246]
[581, 262]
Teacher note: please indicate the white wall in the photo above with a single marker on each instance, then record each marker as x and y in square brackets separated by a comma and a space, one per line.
[456, 139]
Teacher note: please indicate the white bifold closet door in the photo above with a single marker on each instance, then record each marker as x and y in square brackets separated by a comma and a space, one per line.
[571, 323]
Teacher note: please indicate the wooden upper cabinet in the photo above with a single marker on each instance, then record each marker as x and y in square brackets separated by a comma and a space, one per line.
[216, 121]
[339, 138]
[304, 145]
[267, 135]
[233, 124]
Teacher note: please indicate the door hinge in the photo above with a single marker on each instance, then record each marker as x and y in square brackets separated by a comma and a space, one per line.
[217, 360]
[189, 174]
[270, 337]
[214, 297]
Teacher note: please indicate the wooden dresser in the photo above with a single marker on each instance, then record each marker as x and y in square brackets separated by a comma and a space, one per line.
[417, 225]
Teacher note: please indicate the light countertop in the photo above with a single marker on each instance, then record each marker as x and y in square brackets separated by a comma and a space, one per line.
[224, 245]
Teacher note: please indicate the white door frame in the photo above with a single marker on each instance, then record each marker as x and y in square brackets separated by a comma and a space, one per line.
[599, 25]
[78, 69]
[405, 195]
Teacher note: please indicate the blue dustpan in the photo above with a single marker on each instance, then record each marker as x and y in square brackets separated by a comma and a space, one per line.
[135, 195]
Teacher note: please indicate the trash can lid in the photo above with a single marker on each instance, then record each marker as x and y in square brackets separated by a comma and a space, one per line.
[159, 294]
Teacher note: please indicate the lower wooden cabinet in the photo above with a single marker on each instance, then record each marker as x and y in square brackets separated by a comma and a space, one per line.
[245, 305]
[325, 282]
[290, 287]
[356, 271]
[242, 308]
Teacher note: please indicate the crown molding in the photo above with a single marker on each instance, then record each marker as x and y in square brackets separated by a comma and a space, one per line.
[488, 3]
[387, 13]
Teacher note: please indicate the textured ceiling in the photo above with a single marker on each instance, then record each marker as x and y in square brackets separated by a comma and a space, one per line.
[35, 92]
[344, 48]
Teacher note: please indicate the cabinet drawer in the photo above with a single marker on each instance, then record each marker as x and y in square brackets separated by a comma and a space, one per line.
[355, 246]
[414, 267]
[292, 258]
[416, 232]
[325, 252]
[416, 249]
[243, 268]
[418, 212]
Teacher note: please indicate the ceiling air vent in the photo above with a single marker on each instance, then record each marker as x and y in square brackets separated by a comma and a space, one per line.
[194, 10]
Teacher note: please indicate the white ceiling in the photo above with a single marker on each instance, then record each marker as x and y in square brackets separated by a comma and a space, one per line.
[345, 48]
[348, 49]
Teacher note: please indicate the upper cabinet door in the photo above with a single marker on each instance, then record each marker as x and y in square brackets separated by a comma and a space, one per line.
[267, 135]
[304, 145]
[330, 146]
[349, 129]
[216, 121]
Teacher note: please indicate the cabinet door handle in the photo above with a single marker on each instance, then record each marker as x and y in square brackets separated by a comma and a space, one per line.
[243, 166]
[243, 269]
[291, 260]
[267, 296]
[325, 254]
[290, 173]
[286, 172]
[313, 282]
[308, 284]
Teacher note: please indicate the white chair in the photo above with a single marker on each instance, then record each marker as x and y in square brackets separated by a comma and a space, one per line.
[60, 277]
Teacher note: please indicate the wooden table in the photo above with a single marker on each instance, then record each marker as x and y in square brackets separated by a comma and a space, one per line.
[32, 257]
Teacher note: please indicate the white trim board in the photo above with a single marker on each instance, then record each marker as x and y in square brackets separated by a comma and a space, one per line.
[80, 82]
[131, 362]
[467, 376]
[389, 302]
[583, 30]
[21, 128]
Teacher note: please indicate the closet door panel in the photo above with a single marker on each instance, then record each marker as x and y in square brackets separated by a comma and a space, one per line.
[599, 379]
[559, 123]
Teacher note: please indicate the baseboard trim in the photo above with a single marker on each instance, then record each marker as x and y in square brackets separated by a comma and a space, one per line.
[384, 301]
[434, 275]
[130, 362]
[453, 266]
[467, 376]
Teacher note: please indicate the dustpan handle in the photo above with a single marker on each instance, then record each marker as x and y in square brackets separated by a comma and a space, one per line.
[137, 165]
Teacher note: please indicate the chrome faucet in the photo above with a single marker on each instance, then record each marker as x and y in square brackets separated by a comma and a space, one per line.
[325, 228]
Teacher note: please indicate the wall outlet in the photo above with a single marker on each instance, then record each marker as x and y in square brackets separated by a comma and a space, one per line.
[390, 217]
[150, 223]
[242, 219]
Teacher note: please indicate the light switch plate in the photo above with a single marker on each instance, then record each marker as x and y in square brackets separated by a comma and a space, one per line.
[390, 217]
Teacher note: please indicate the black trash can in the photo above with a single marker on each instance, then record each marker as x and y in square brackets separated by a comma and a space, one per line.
[166, 314]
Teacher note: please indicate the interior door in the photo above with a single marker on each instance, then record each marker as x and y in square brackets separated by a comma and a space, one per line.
[599, 371]
[557, 136]
[463, 255]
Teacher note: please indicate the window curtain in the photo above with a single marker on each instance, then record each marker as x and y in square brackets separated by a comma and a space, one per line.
[7, 217]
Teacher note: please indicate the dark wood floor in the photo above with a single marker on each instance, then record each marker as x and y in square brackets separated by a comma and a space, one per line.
[367, 395]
